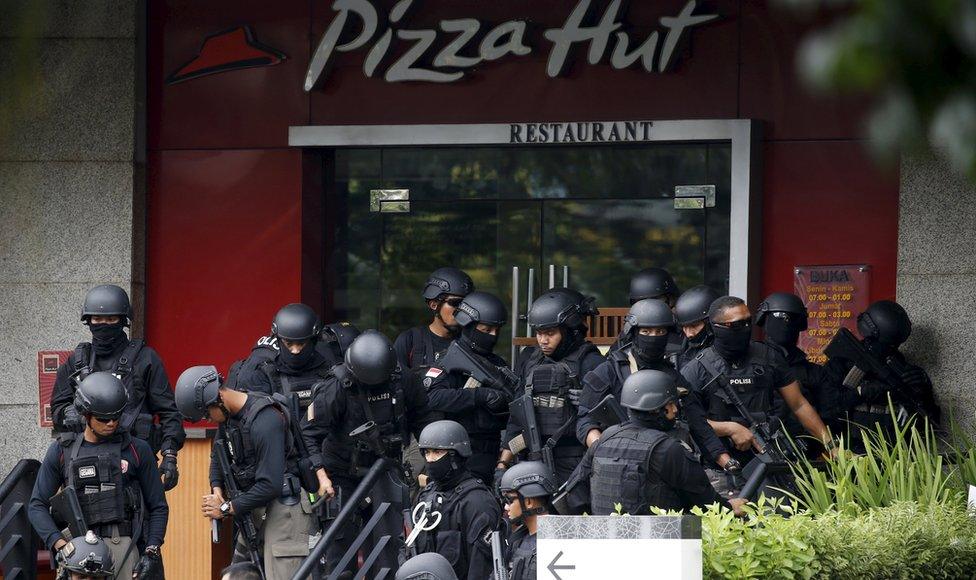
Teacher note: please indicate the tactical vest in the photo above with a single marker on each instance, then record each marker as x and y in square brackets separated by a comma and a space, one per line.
[621, 474]
[106, 494]
[301, 385]
[751, 382]
[522, 558]
[237, 434]
[134, 420]
[422, 351]
[448, 539]
[548, 382]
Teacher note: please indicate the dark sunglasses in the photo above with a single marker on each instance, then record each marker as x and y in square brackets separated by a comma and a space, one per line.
[455, 302]
[509, 499]
[735, 324]
[106, 419]
[784, 316]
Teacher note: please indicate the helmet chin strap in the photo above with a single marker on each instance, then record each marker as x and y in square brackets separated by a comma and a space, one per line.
[526, 512]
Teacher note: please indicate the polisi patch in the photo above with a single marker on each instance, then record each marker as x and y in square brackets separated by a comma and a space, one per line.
[87, 471]
[740, 381]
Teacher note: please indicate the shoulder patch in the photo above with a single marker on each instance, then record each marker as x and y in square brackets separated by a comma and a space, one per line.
[433, 372]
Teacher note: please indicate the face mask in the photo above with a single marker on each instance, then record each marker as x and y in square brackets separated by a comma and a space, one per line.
[702, 336]
[298, 361]
[732, 343]
[442, 469]
[781, 332]
[480, 342]
[650, 348]
[107, 337]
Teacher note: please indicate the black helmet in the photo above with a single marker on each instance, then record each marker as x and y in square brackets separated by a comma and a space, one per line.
[296, 322]
[652, 283]
[101, 394]
[648, 312]
[648, 390]
[529, 479]
[447, 281]
[885, 321]
[480, 307]
[692, 305]
[106, 300]
[587, 304]
[445, 434]
[196, 389]
[426, 566]
[370, 358]
[782, 302]
[88, 555]
[554, 309]
[342, 333]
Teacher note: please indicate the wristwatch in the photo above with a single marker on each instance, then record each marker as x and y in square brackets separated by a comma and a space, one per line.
[152, 551]
[225, 509]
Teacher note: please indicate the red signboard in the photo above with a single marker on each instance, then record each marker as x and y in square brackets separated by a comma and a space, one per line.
[48, 362]
[834, 296]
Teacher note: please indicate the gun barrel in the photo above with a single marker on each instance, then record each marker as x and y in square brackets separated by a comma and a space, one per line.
[501, 571]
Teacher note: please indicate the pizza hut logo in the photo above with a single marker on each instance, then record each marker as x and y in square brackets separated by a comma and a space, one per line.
[87, 472]
[228, 50]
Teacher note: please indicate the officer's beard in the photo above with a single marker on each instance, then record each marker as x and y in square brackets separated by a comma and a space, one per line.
[106, 338]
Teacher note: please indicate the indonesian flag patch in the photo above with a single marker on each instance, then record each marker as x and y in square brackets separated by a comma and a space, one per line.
[434, 372]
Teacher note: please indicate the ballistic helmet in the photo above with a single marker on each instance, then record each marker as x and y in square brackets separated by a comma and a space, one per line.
[196, 389]
[885, 321]
[782, 302]
[370, 358]
[296, 322]
[652, 283]
[692, 305]
[88, 555]
[529, 479]
[426, 566]
[648, 390]
[447, 281]
[480, 307]
[449, 435]
[101, 394]
[554, 309]
[106, 300]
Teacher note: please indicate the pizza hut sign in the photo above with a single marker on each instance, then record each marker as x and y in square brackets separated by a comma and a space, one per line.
[463, 44]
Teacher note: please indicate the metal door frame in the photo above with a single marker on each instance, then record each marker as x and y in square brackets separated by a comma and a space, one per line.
[745, 219]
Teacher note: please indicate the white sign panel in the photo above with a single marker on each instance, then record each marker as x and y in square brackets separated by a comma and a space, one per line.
[972, 497]
[619, 559]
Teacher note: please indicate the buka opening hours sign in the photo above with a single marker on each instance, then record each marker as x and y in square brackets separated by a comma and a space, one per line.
[834, 296]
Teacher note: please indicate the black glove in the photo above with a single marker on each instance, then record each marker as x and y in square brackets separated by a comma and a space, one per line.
[72, 420]
[148, 566]
[490, 399]
[574, 396]
[914, 376]
[167, 468]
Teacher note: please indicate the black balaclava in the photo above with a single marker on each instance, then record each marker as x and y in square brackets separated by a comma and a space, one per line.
[781, 332]
[480, 342]
[444, 468]
[653, 419]
[702, 337]
[107, 337]
[649, 349]
[732, 343]
[300, 361]
[571, 339]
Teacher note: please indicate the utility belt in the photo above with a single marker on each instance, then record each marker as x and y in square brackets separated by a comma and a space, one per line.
[291, 487]
[548, 401]
[872, 409]
[106, 531]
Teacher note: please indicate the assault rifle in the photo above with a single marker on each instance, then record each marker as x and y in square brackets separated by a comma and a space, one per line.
[847, 347]
[497, 560]
[607, 412]
[67, 510]
[522, 412]
[245, 524]
[306, 473]
[457, 357]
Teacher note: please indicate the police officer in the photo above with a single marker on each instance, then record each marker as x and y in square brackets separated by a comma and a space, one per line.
[366, 394]
[648, 325]
[650, 283]
[114, 476]
[254, 430]
[421, 345]
[481, 408]
[107, 312]
[637, 463]
[83, 558]
[429, 566]
[691, 314]
[552, 374]
[462, 507]
[861, 395]
[299, 364]
[527, 489]
[755, 371]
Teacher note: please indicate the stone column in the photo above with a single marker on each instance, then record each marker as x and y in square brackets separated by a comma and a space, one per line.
[67, 111]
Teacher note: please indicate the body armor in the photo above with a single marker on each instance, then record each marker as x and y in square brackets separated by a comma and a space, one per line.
[107, 495]
[621, 472]
[549, 382]
[240, 443]
[448, 539]
[750, 380]
[300, 385]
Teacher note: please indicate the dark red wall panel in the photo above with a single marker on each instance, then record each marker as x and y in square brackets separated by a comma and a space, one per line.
[827, 203]
[224, 251]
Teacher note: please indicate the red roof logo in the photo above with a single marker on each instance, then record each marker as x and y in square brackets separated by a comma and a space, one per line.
[224, 51]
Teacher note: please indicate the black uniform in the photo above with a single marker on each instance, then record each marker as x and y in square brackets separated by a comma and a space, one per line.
[521, 555]
[123, 471]
[640, 467]
[446, 394]
[276, 377]
[817, 385]
[339, 406]
[265, 349]
[469, 514]
[146, 386]
[608, 379]
[761, 373]
[550, 379]
[689, 350]
[419, 347]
